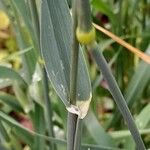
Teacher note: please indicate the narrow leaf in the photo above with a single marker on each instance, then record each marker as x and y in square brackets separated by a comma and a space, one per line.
[19, 129]
[22, 8]
[10, 101]
[8, 73]
[39, 143]
[117, 95]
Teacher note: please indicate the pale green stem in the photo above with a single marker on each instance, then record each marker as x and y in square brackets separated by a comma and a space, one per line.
[72, 118]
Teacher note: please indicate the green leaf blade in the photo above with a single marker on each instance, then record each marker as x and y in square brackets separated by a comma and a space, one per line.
[10, 101]
[56, 50]
[8, 73]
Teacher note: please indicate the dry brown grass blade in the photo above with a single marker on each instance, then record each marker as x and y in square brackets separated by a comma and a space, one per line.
[136, 51]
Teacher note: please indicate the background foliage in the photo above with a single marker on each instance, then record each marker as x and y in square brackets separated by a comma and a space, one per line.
[25, 120]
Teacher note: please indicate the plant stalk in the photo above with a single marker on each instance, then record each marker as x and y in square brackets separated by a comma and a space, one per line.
[82, 19]
[72, 118]
[84, 15]
[71, 123]
[78, 135]
[74, 59]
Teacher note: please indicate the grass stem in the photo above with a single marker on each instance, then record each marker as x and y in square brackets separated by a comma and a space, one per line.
[72, 118]
[78, 135]
[84, 15]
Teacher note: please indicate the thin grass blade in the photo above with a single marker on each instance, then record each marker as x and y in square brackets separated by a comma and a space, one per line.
[10, 101]
[117, 95]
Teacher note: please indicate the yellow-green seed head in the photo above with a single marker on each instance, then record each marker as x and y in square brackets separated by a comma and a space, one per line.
[85, 37]
[4, 20]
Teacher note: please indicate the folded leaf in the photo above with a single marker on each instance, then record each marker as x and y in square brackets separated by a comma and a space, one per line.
[56, 48]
